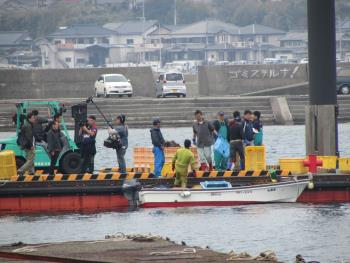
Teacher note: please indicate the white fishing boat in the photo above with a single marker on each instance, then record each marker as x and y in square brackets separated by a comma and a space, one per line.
[223, 194]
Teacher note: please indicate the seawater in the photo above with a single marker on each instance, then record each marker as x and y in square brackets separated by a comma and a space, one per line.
[318, 232]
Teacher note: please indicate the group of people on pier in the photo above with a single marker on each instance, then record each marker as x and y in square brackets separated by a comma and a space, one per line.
[234, 133]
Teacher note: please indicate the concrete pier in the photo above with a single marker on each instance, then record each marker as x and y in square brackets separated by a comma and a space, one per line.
[117, 250]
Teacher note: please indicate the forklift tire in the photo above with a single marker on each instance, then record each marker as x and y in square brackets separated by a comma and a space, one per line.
[19, 162]
[70, 163]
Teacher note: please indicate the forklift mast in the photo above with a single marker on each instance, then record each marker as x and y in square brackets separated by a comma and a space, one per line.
[79, 114]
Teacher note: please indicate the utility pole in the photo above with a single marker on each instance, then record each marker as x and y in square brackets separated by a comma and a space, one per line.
[160, 46]
[175, 11]
[340, 39]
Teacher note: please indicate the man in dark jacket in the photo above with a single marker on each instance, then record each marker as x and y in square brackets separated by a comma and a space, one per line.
[54, 145]
[221, 130]
[27, 143]
[248, 132]
[236, 140]
[38, 129]
[158, 148]
[88, 133]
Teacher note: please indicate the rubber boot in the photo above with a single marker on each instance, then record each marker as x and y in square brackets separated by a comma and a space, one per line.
[210, 167]
[203, 167]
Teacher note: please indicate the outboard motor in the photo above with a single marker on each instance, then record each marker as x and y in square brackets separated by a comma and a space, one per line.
[79, 114]
[131, 190]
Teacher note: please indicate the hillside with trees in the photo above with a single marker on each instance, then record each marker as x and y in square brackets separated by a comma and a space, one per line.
[281, 14]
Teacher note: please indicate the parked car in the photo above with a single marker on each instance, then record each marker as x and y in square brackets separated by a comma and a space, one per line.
[343, 85]
[304, 61]
[113, 84]
[171, 84]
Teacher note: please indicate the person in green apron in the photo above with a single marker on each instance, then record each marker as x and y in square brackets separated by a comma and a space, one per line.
[222, 130]
[257, 128]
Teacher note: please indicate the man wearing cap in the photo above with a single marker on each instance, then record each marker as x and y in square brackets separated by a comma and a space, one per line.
[221, 130]
[236, 140]
[158, 147]
[181, 160]
[122, 130]
[203, 138]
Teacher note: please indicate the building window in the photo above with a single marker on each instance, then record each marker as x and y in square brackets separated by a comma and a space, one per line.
[80, 40]
[81, 60]
[57, 42]
[265, 39]
[68, 59]
[130, 41]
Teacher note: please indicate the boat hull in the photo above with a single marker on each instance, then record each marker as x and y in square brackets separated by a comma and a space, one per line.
[285, 192]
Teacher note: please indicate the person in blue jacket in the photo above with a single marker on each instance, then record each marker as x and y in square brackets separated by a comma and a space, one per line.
[158, 147]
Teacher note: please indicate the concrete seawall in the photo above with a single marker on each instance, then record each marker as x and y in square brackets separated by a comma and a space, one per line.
[68, 83]
[179, 112]
[242, 79]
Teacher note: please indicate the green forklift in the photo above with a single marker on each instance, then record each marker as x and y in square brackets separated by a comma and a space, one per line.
[69, 160]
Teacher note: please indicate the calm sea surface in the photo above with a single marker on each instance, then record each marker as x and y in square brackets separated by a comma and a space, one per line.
[318, 232]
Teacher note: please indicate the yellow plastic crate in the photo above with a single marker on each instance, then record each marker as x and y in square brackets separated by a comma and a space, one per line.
[144, 155]
[344, 165]
[167, 168]
[328, 162]
[295, 165]
[7, 165]
[255, 158]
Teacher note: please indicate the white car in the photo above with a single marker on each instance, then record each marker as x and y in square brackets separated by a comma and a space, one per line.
[171, 84]
[113, 84]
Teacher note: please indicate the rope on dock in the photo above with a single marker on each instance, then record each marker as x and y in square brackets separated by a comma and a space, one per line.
[189, 250]
[119, 236]
[263, 256]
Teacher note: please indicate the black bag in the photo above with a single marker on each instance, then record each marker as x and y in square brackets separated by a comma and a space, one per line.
[112, 142]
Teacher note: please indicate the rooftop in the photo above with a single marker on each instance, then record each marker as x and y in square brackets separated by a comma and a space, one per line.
[207, 27]
[82, 30]
[133, 27]
[13, 37]
[254, 29]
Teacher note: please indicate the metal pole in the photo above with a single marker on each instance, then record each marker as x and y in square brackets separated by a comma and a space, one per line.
[321, 121]
[322, 62]
[160, 47]
[175, 22]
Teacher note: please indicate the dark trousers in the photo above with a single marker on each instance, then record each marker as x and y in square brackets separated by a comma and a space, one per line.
[87, 165]
[54, 158]
[236, 146]
[121, 159]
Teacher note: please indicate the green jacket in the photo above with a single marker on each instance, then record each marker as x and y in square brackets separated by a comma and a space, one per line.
[183, 158]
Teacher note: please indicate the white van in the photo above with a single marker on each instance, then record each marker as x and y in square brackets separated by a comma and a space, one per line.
[171, 84]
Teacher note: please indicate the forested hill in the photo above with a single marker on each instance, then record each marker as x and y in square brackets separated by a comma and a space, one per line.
[282, 14]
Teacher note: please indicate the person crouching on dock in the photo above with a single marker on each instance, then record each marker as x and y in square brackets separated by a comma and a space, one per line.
[122, 130]
[158, 148]
[181, 160]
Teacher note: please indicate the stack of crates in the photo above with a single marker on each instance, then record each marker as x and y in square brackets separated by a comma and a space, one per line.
[143, 157]
[255, 158]
[294, 165]
[7, 165]
[328, 162]
[344, 165]
[144, 160]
